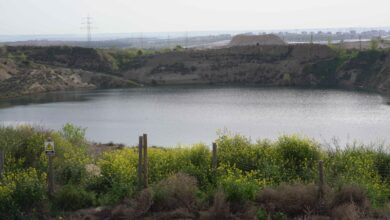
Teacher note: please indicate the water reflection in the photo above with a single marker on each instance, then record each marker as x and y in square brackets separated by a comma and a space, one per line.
[69, 96]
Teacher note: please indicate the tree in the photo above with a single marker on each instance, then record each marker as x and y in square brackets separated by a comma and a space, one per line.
[374, 44]
[330, 41]
[178, 48]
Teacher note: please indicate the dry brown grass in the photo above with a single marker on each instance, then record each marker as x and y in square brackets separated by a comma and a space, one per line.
[293, 200]
[134, 209]
[352, 195]
[219, 210]
[347, 211]
[177, 191]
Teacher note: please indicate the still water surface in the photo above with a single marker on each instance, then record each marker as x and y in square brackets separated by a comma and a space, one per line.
[185, 115]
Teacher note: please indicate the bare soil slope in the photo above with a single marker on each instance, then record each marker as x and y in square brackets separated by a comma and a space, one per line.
[247, 40]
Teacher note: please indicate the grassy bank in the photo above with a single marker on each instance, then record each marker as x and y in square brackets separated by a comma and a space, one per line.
[254, 180]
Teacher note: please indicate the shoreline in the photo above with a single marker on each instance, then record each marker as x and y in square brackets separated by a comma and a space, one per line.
[308, 66]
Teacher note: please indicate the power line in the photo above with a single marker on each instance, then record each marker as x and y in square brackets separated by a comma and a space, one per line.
[87, 24]
[186, 39]
[142, 40]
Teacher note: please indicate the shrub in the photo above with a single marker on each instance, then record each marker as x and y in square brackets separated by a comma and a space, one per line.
[164, 163]
[3, 51]
[136, 208]
[178, 190]
[382, 164]
[23, 146]
[374, 44]
[196, 162]
[69, 173]
[236, 151]
[71, 197]
[237, 185]
[352, 195]
[346, 212]
[8, 208]
[118, 175]
[21, 191]
[298, 158]
[293, 200]
[279, 216]
[356, 165]
[220, 208]
[73, 134]
[261, 214]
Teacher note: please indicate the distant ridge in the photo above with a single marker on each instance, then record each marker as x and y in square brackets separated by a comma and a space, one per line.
[248, 40]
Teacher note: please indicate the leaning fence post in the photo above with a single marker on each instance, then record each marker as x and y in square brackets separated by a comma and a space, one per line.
[2, 158]
[145, 168]
[140, 184]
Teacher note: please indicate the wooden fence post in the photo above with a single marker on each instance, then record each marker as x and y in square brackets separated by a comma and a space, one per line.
[2, 158]
[321, 176]
[214, 163]
[145, 168]
[50, 176]
[140, 184]
[321, 185]
[50, 152]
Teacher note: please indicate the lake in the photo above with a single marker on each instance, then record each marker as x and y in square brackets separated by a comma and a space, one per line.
[192, 114]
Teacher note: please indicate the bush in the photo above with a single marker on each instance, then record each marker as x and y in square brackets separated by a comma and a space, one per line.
[178, 190]
[71, 197]
[261, 214]
[293, 200]
[73, 134]
[21, 191]
[237, 185]
[352, 195]
[69, 173]
[23, 146]
[356, 165]
[298, 158]
[197, 161]
[382, 164]
[118, 175]
[220, 208]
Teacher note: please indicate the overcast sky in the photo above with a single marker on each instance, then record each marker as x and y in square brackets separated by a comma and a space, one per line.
[125, 16]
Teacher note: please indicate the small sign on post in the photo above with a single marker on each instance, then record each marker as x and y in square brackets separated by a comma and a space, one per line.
[49, 147]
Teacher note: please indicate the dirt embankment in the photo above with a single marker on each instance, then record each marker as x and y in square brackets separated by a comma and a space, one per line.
[41, 69]
[18, 78]
[253, 40]
[263, 65]
[268, 65]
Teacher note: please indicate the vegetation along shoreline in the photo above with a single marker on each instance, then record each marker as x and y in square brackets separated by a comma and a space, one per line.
[288, 178]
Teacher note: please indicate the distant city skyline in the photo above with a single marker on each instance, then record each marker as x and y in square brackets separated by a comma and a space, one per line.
[56, 17]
